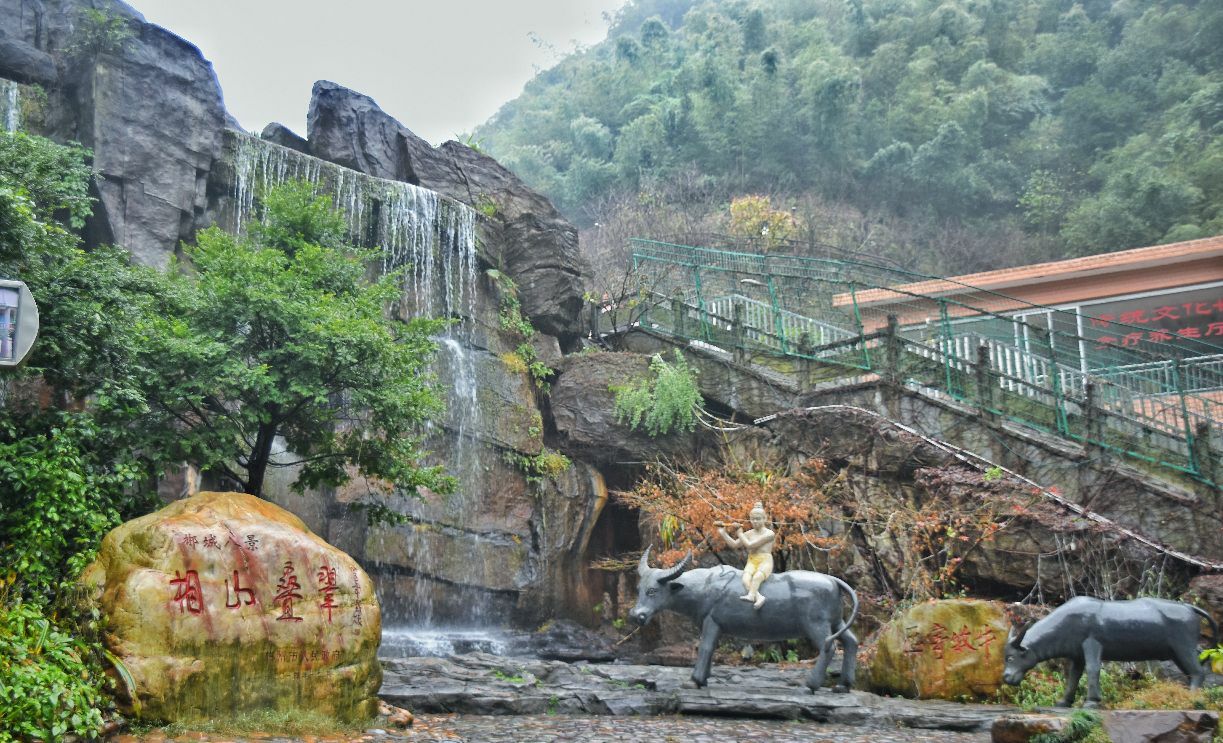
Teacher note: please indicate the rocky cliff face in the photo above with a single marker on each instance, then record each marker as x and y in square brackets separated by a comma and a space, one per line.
[170, 161]
[528, 238]
[149, 108]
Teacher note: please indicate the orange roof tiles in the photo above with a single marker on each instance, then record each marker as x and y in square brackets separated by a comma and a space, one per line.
[1037, 273]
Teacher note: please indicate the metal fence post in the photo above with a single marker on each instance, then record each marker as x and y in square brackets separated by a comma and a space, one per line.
[1093, 433]
[891, 351]
[1194, 465]
[739, 332]
[1055, 383]
[866, 354]
[1206, 455]
[947, 346]
[806, 366]
[985, 386]
[700, 304]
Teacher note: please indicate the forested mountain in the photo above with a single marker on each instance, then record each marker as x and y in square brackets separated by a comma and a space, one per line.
[1016, 129]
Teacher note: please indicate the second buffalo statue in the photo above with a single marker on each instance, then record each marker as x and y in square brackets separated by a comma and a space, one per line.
[799, 603]
[1087, 631]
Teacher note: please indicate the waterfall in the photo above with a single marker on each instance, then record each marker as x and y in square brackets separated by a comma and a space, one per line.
[432, 240]
[10, 94]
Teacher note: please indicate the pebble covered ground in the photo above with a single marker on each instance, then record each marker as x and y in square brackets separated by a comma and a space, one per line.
[685, 729]
[604, 729]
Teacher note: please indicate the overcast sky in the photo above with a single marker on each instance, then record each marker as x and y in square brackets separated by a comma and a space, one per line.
[440, 67]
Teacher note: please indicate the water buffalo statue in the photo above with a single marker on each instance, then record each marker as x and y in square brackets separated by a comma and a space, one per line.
[1087, 631]
[799, 603]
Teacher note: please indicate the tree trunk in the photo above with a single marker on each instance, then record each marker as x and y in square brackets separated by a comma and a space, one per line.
[257, 466]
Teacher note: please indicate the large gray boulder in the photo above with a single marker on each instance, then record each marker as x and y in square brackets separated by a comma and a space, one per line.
[584, 412]
[529, 240]
[152, 114]
[150, 109]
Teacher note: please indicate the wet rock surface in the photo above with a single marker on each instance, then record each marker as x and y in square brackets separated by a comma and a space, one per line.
[583, 409]
[531, 242]
[1164, 726]
[483, 684]
[694, 729]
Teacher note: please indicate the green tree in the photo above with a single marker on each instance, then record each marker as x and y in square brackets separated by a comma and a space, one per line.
[281, 337]
[67, 474]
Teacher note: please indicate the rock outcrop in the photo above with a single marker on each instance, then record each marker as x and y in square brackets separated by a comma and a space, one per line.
[149, 107]
[1165, 726]
[583, 410]
[481, 684]
[169, 163]
[940, 650]
[224, 603]
[152, 114]
[530, 241]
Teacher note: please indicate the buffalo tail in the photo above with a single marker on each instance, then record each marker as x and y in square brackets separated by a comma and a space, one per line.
[852, 614]
[1214, 627]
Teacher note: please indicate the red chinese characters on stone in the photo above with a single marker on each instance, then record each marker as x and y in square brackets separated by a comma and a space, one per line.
[936, 641]
[187, 592]
[985, 638]
[238, 593]
[327, 587]
[287, 591]
[961, 642]
[939, 641]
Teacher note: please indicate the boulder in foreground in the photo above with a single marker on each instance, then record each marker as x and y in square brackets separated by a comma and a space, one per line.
[223, 603]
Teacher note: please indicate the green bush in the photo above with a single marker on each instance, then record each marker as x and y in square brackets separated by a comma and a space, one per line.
[1081, 725]
[56, 502]
[666, 401]
[49, 688]
[99, 32]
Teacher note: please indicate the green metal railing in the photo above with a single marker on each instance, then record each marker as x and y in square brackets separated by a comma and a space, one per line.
[1151, 402]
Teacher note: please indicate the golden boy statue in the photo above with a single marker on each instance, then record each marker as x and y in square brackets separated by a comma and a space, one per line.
[758, 542]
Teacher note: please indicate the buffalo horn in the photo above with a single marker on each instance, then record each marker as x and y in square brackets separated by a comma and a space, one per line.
[1016, 638]
[672, 573]
[643, 567]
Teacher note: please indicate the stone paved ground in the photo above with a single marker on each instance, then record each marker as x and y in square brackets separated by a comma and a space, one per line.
[603, 729]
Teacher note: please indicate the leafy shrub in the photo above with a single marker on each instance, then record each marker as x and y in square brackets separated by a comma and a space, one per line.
[754, 218]
[55, 503]
[99, 32]
[547, 463]
[1080, 728]
[666, 401]
[48, 686]
[514, 363]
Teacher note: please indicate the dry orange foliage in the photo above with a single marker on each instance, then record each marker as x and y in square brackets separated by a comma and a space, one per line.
[913, 539]
[686, 507]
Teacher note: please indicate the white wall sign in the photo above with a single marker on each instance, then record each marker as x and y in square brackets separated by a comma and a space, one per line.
[18, 322]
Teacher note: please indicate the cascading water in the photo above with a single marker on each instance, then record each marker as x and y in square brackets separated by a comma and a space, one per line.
[432, 241]
[10, 95]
